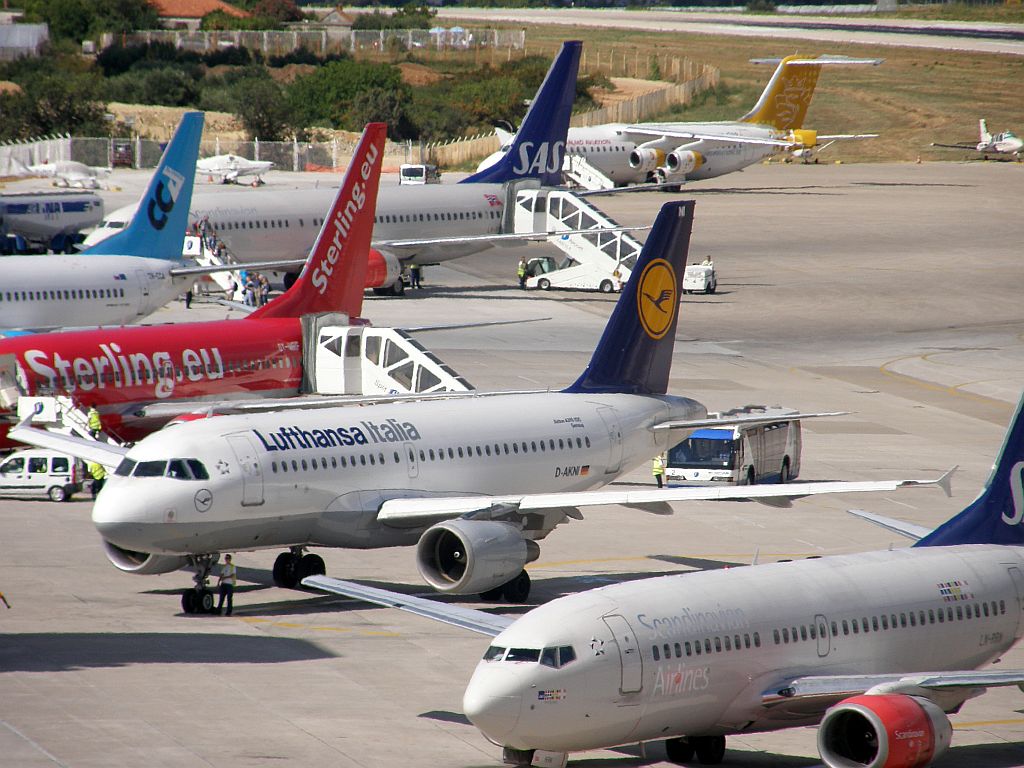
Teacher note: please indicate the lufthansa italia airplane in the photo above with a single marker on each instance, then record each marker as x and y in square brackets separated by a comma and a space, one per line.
[414, 224]
[122, 368]
[878, 647]
[473, 481]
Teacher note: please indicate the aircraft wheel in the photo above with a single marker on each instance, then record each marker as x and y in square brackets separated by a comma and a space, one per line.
[713, 287]
[784, 472]
[492, 595]
[398, 287]
[204, 602]
[286, 570]
[520, 757]
[289, 279]
[311, 565]
[517, 590]
[606, 286]
[544, 284]
[709, 749]
[679, 751]
[189, 601]
[57, 493]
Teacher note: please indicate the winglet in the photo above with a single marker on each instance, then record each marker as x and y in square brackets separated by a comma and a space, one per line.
[158, 227]
[334, 277]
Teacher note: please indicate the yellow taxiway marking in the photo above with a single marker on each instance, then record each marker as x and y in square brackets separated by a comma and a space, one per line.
[294, 625]
[983, 723]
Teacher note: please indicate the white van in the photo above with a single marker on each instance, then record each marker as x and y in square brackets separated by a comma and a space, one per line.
[545, 273]
[39, 472]
[418, 173]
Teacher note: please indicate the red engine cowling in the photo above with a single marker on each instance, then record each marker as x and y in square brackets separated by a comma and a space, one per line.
[382, 269]
[646, 159]
[883, 731]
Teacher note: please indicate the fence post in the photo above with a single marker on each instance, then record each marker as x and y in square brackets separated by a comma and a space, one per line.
[256, 147]
[295, 152]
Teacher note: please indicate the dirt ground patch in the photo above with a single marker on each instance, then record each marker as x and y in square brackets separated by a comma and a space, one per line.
[625, 88]
[159, 122]
[419, 74]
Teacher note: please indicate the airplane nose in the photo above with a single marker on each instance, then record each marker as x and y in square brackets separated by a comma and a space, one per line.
[493, 710]
[120, 518]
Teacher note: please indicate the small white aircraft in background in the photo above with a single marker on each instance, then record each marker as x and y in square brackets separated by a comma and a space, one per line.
[1005, 143]
[66, 173]
[809, 143]
[231, 168]
[875, 647]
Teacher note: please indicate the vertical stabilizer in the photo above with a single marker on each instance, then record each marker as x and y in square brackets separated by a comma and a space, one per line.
[334, 277]
[997, 515]
[984, 136]
[539, 147]
[157, 229]
[635, 352]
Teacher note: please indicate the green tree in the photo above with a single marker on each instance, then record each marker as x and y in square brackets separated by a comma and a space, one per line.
[322, 98]
[81, 19]
[263, 109]
[377, 105]
[53, 104]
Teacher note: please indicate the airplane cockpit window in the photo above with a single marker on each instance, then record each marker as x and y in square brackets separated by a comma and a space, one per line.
[176, 469]
[198, 469]
[523, 654]
[124, 468]
[150, 469]
[494, 653]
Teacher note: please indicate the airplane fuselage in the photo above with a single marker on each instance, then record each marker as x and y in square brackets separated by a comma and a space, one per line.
[708, 653]
[319, 476]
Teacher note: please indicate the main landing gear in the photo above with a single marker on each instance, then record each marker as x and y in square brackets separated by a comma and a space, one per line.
[515, 591]
[291, 567]
[199, 599]
[709, 750]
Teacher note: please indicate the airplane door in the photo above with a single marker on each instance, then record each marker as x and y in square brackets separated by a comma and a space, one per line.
[143, 307]
[629, 654]
[1018, 585]
[252, 473]
[410, 457]
[611, 422]
[824, 638]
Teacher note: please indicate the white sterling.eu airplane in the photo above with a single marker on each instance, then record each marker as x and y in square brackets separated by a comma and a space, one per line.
[472, 481]
[123, 278]
[678, 152]
[230, 168]
[414, 224]
[876, 647]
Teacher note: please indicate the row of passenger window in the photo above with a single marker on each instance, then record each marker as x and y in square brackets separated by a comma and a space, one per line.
[428, 454]
[389, 218]
[63, 295]
[707, 645]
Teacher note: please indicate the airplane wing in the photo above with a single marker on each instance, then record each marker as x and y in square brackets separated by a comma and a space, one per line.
[845, 136]
[910, 530]
[254, 265]
[726, 421]
[107, 454]
[916, 684]
[414, 512]
[670, 133]
[955, 146]
[467, 618]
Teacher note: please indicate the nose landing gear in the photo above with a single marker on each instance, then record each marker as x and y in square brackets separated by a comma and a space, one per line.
[199, 598]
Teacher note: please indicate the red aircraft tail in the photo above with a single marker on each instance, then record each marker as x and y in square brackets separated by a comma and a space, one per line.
[335, 273]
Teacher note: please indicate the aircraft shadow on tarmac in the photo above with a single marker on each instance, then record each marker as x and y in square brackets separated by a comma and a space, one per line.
[810, 189]
[64, 652]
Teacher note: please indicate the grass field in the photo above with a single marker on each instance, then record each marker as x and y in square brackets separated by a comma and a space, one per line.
[915, 97]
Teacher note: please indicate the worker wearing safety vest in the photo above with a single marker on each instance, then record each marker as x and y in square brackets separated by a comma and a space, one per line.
[228, 576]
[521, 272]
[658, 469]
[99, 477]
[95, 424]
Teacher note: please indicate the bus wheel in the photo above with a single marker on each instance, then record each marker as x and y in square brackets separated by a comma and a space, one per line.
[784, 472]
[751, 477]
[544, 284]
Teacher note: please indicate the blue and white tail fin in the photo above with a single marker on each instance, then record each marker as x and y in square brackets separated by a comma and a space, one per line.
[538, 149]
[997, 515]
[634, 355]
[157, 229]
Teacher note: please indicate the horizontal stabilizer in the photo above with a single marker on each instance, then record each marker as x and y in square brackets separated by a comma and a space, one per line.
[467, 618]
[819, 60]
[910, 530]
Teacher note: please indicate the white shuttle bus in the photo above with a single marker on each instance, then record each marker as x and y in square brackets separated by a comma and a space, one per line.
[735, 454]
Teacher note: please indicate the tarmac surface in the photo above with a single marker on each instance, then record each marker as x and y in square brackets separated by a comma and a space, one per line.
[892, 291]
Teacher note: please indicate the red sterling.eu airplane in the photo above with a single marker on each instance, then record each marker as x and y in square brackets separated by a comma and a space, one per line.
[119, 369]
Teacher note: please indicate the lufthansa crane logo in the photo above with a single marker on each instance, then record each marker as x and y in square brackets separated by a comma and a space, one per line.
[656, 298]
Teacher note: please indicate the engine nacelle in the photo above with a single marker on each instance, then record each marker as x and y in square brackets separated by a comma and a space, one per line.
[646, 158]
[466, 557]
[684, 161]
[142, 563]
[804, 137]
[883, 731]
[382, 269]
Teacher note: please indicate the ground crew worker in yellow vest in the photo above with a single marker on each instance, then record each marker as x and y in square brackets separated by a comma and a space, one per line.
[228, 576]
[521, 272]
[99, 477]
[658, 469]
[95, 424]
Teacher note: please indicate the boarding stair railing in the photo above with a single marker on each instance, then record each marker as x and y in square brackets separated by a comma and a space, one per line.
[578, 171]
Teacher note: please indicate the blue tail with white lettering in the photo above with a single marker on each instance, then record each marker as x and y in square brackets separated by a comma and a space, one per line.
[997, 515]
[157, 229]
[538, 149]
[634, 355]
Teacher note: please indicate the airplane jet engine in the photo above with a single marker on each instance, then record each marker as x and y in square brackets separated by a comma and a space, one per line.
[683, 161]
[382, 269]
[646, 158]
[468, 557]
[883, 731]
[142, 563]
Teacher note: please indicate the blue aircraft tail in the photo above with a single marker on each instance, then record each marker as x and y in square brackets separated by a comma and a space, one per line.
[996, 516]
[158, 227]
[538, 149]
[635, 352]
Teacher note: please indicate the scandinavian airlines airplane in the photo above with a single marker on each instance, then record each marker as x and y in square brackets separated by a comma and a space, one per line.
[125, 277]
[677, 152]
[421, 225]
[472, 481]
[875, 647]
[121, 369]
